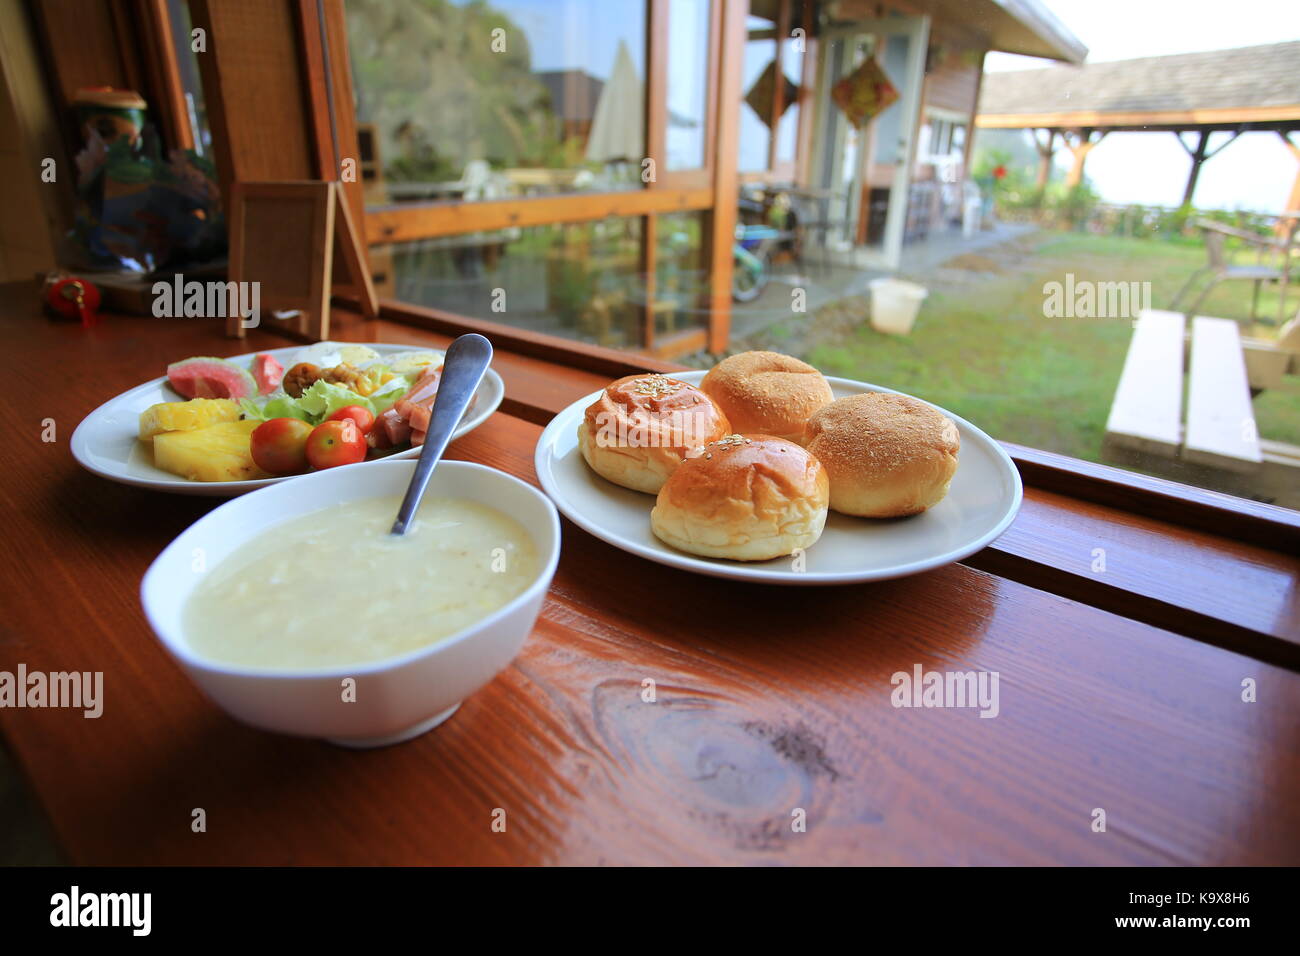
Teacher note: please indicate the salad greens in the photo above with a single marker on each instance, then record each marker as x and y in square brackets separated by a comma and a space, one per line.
[322, 399]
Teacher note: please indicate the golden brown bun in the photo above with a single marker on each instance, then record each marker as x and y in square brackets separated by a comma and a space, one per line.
[888, 456]
[747, 498]
[642, 426]
[767, 393]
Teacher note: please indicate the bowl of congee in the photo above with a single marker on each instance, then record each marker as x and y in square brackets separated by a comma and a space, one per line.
[297, 611]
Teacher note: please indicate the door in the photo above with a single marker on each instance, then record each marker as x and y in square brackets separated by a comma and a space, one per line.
[866, 173]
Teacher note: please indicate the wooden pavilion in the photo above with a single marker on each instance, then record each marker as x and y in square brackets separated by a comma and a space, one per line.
[1191, 94]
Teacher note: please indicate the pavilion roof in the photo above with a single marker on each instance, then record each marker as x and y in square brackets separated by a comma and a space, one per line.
[1250, 87]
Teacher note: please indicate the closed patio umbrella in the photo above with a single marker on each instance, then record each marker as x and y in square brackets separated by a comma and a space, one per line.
[617, 128]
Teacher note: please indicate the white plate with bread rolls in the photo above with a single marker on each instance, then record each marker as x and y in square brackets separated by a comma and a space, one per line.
[765, 470]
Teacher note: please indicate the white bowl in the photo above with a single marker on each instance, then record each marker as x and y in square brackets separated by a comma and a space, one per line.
[395, 699]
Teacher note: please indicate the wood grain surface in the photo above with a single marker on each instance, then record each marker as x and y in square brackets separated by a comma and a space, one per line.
[768, 700]
[1220, 569]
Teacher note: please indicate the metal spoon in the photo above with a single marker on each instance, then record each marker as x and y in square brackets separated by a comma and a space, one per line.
[462, 369]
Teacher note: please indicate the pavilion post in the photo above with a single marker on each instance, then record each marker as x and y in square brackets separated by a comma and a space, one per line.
[1198, 157]
[1293, 203]
[1045, 151]
[1080, 145]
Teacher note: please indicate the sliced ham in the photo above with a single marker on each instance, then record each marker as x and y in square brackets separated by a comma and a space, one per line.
[408, 419]
[423, 392]
[418, 416]
[417, 405]
[390, 429]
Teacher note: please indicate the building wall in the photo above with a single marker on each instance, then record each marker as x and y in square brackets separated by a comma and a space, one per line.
[952, 82]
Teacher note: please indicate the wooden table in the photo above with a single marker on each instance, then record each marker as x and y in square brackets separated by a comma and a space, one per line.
[1120, 689]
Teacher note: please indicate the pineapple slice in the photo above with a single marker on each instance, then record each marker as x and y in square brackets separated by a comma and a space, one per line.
[216, 453]
[186, 416]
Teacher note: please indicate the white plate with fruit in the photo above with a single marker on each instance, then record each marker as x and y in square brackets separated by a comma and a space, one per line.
[192, 431]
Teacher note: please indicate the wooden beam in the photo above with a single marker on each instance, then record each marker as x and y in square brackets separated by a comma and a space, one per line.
[1224, 145]
[1185, 119]
[656, 119]
[614, 363]
[731, 52]
[253, 85]
[656, 87]
[163, 74]
[1199, 155]
[683, 343]
[1291, 144]
[345, 116]
[318, 95]
[712, 103]
[660, 64]
[405, 221]
[649, 267]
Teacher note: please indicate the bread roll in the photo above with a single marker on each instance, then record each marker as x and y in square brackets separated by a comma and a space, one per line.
[642, 426]
[747, 498]
[767, 393]
[888, 456]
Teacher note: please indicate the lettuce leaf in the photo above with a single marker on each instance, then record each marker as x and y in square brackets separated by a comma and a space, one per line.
[322, 399]
[281, 406]
[386, 396]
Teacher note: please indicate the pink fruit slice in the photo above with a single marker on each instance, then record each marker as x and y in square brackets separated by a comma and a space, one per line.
[268, 373]
[206, 377]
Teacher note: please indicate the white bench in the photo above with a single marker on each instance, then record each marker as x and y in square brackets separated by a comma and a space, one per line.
[1268, 360]
[1221, 428]
[1211, 438]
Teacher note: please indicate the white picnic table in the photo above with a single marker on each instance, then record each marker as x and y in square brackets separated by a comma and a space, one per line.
[1211, 436]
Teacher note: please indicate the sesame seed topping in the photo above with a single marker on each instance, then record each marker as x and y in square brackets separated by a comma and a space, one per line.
[654, 385]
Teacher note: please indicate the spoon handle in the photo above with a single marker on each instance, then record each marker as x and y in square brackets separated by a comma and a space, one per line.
[466, 361]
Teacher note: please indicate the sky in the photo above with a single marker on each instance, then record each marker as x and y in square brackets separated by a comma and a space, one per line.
[578, 34]
[1254, 172]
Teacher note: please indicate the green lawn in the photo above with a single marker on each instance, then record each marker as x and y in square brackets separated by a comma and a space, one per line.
[985, 350]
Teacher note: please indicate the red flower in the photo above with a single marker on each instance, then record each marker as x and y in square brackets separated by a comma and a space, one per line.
[999, 172]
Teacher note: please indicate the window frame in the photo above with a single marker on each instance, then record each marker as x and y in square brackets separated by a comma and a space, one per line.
[1186, 505]
[668, 191]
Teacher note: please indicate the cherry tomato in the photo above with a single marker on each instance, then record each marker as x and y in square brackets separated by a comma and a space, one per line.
[280, 445]
[362, 416]
[336, 443]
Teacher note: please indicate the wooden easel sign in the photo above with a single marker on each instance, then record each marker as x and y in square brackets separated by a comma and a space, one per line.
[289, 237]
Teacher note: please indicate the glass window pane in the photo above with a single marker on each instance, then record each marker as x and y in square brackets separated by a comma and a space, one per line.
[465, 100]
[787, 128]
[757, 83]
[688, 82]
[681, 275]
[187, 65]
[579, 281]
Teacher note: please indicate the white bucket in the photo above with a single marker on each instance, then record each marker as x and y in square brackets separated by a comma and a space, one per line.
[970, 216]
[894, 305]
